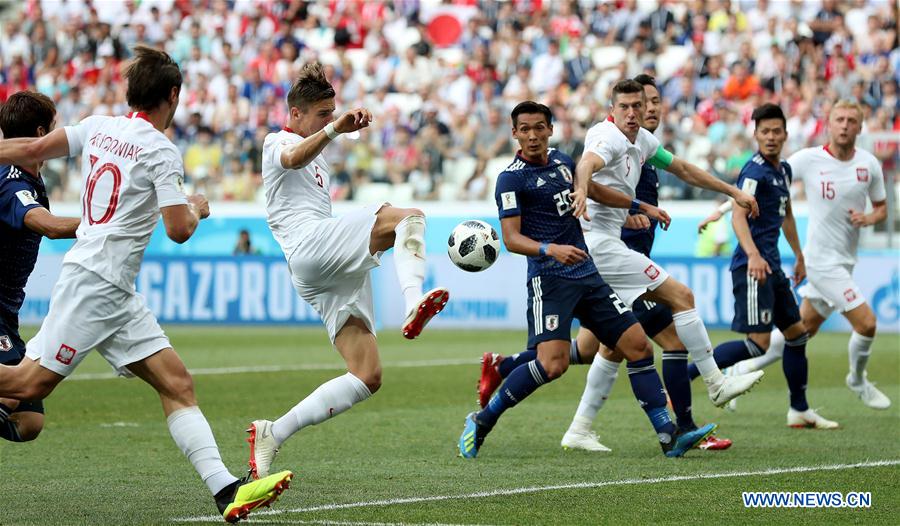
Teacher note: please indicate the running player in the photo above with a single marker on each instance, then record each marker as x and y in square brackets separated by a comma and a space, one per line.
[330, 258]
[533, 199]
[24, 219]
[838, 178]
[762, 293]
[132, 173]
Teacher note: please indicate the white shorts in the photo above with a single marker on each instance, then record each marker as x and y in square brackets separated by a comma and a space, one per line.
[330, 269]
[831, 289]
[629, 273]
[87, 312]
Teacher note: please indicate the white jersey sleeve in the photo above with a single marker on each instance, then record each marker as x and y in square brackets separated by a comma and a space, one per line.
[877, 193]
[77, 135]
[168, 180]
[605, 145]
[648, 143]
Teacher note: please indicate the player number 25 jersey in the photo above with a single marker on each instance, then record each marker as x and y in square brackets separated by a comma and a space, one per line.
[129, 171]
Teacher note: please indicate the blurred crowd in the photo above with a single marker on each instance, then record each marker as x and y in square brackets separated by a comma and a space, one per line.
[441, 78]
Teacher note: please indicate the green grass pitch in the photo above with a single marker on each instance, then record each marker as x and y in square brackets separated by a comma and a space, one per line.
[105, 456]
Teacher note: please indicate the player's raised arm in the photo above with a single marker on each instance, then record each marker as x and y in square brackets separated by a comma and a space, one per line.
[41, 221]
[300, 154]
[613, 198]
[695, 176]
[584, 171]
[30, 150]
[717, 214]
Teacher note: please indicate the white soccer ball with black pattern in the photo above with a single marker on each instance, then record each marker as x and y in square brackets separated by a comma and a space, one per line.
[473, 245]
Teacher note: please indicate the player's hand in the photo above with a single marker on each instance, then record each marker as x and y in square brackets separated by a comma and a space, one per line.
[654, 212]
[745, 200]
[711, 218]
[566, 254]
[578, 198]
[637, 222]
[799, 270]
[858, 219]
[758, 268]
[353, 120]
[201, 205]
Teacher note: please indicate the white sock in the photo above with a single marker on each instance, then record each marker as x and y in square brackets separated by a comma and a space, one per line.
[192, 434]
[772, 355]
[330, 399]
[859, 356]
[600, 379]
[409, 258]
[692, 334]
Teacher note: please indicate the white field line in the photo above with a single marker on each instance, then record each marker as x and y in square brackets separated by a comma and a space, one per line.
[576, 485]
[205, 371]
[352, 523]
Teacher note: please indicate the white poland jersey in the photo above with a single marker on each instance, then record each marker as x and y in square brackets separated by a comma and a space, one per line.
[622, 171]
[833, 188]
[295, 198]
[129, 171]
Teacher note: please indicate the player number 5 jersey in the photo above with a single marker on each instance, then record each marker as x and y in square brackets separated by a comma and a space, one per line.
[129, 171]
[295, 198]
[833, 188]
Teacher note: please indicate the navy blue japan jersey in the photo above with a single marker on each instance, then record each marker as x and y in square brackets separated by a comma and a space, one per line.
[771, 187]
[540, 195]
[647, 190]
[19, 193]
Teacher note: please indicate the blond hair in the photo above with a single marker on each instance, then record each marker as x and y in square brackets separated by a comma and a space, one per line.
[849, 104]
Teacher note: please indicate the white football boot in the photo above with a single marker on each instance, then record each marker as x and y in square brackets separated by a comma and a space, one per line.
[587, 441]
[809, 419]
[868, 393]
[730, 387]
[262, 448]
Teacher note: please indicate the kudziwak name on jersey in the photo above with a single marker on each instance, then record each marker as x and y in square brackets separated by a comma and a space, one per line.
[123, 149]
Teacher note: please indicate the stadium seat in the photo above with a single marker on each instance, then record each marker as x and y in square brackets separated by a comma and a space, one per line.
[462, 169]
[373, 193]
[401, 193]
[493, 169]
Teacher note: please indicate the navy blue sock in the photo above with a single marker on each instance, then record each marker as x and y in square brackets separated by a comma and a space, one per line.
[521, 382]
[796, 370]
[729, 353]
[8, 430]
[650, 394]
[508, 364]
[678, 385]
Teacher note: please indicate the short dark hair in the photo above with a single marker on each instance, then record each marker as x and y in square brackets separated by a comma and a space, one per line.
[310, 87]
[768, 111]
[531, 107]
[626, 86]
[24, 112]
[151, 76]
[645, 80]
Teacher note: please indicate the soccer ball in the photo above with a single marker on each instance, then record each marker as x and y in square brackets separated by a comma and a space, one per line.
[473, 245]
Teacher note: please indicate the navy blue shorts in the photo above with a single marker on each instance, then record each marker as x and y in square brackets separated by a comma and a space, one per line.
[12, 350]
[759, 306]
[553, 302]
[653, 317]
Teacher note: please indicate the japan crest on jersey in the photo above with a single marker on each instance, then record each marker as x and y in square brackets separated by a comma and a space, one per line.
[862, 175]
[551, 322]
[5, 343]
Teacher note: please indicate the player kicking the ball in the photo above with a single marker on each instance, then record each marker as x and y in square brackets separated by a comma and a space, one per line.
[533, 199]
[330, 258]
[132, 173]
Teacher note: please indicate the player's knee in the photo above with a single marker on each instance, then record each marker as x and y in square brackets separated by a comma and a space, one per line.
[866, 326]
[762, 340]
[555, 369]
[413, 212]
[635, 346]
[181, 388]
[684, 298]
